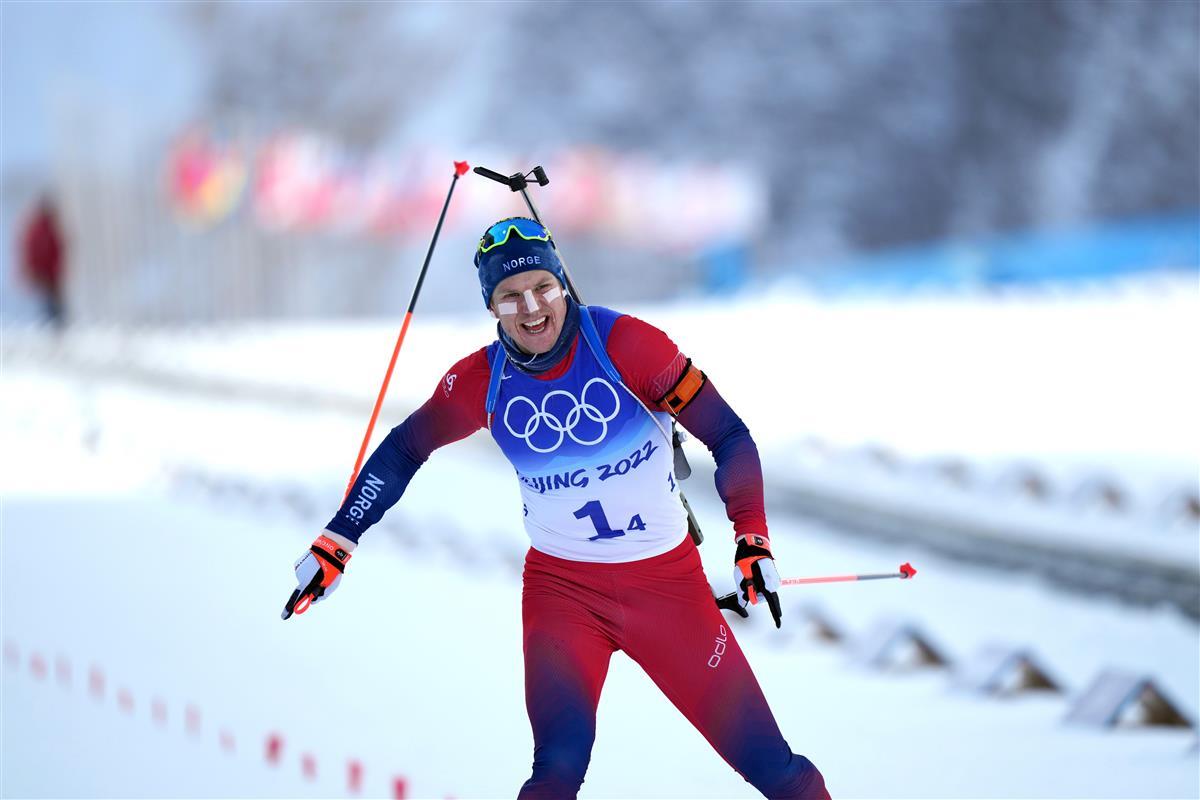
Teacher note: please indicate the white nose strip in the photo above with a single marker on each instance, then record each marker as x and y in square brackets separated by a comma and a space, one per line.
[507, 309]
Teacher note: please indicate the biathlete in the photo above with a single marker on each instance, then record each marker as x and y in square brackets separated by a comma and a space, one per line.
[581, 399]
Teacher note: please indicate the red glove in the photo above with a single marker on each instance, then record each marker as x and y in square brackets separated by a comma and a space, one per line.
[755, 574]
[318, 572]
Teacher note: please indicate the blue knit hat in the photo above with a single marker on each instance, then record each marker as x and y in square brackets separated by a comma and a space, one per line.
[511, 246]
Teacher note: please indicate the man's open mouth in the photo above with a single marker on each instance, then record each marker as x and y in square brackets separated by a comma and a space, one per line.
[537, 326]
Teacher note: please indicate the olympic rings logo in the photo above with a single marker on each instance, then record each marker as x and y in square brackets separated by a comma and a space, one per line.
[565, 427]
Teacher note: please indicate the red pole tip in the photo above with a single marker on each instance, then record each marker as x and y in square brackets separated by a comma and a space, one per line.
[907, 570]
[460, 168]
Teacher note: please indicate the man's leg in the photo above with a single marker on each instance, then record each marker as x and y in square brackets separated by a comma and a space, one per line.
[567, 651]
[678, 636]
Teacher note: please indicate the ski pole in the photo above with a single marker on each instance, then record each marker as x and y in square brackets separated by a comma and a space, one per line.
[300, 600]
[460, 169]
[906, 571]
[729, 602]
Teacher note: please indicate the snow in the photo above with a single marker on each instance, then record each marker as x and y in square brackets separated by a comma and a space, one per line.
[146, 531]
[1082, 384]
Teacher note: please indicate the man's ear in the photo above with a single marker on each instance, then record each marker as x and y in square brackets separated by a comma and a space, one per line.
[492, 311]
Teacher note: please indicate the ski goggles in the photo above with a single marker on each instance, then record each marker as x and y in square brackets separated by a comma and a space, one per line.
[499, 233]
[531, 304]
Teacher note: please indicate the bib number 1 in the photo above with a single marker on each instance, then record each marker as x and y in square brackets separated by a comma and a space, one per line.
[593, 510]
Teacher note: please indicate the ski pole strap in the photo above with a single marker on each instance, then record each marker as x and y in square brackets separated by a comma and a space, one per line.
[302, 603]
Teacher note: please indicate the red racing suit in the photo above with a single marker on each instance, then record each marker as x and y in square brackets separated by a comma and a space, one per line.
[618, 572]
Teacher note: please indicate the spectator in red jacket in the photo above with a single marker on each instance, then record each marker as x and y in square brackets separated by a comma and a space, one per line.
[43, 257]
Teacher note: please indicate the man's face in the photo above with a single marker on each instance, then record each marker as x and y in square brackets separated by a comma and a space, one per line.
[530, 320]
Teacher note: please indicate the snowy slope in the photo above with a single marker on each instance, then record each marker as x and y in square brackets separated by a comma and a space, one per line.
[1083, 387]
[413, 668]
[1087, 374]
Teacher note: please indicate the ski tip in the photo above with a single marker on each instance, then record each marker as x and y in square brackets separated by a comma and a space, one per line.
[906, 570]
[460, 168]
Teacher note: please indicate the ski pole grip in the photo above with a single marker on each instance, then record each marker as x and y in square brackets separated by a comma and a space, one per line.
[729, 602]
[496, 176]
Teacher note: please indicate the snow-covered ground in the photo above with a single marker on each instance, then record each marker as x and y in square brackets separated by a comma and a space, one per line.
[945, 405]
[113, 558]
[1081, 379]
[1092, 373]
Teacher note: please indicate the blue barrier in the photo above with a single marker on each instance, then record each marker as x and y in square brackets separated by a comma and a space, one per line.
[1081, 254]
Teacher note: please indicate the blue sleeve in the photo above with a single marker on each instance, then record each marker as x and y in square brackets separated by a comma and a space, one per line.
[380, 483]
[739, 472]
[455, 411]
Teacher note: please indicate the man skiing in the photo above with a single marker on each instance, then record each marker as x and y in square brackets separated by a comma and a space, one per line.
[581, 399]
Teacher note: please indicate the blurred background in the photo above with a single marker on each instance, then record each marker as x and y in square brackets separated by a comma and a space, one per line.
[942, 257]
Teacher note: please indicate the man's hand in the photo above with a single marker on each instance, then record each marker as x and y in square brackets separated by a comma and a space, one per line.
[319, 571]
[755, 575]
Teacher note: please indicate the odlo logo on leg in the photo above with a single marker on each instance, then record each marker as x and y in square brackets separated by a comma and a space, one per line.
[719, 649]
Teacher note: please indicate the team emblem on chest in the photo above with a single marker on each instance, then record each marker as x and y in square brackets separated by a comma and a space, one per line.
[545, 427]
